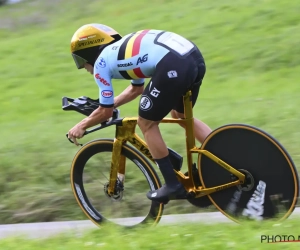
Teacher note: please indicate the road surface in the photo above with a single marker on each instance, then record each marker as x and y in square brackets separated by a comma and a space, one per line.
[47, 229]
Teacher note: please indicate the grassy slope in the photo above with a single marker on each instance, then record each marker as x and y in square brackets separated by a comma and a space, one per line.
[252, 54]
[186, 237]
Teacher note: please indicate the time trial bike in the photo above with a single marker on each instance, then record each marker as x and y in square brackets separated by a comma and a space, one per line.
[240, 169]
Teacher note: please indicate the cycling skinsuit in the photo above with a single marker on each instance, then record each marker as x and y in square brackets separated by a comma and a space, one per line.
[174, 64]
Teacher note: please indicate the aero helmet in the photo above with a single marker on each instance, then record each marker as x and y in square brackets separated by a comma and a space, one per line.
[88, 42]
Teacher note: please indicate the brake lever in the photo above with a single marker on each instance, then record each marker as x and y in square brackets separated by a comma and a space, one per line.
[70, 140]
[85, 133]
[116, 115]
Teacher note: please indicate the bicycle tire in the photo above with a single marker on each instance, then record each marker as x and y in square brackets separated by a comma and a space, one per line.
[79, 187]
[259, 155]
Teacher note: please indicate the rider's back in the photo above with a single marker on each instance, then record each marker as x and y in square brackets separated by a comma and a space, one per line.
[137, 54]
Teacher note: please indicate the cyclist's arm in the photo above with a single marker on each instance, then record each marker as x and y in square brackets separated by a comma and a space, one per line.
[106, 98]
[105, 111]
[98, 116]
[130, 93]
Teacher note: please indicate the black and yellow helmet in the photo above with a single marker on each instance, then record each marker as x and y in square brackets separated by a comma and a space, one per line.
[88, 42]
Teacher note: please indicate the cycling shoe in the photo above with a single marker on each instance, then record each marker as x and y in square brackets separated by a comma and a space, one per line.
[165, 193]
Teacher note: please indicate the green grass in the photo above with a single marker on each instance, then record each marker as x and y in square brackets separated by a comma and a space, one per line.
[252, 54]
[193, 236]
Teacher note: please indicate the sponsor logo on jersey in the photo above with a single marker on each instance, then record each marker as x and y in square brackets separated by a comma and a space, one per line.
[102, 62]
[107, 93]
[102, 80]
[142, 59]
[125, 64]
[131, 48]
[90, 42]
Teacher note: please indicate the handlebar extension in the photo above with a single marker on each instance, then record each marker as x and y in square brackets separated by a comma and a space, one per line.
[86, 106]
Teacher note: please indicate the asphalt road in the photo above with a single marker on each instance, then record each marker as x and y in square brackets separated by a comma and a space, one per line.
[47, 229]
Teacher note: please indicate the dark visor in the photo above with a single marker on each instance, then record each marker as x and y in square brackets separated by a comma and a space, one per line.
[79, 61]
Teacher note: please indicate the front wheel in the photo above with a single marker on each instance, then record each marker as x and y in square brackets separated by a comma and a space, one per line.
[271, 189]
[129, 205]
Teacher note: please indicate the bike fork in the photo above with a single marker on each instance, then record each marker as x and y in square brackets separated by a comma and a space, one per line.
[117, 169]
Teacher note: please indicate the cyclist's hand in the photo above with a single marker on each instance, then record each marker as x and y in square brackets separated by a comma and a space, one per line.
[76, 133]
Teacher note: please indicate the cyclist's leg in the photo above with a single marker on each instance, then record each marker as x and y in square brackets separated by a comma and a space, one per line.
[201, 129]
[158, 99]
[160, 155]
[153, 137]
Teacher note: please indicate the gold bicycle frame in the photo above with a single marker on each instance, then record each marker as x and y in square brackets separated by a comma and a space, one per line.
[126, 132]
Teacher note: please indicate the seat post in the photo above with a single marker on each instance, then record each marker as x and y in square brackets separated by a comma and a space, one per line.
[188, 112]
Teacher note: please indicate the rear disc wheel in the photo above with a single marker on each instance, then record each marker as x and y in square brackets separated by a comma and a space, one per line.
[271, 188]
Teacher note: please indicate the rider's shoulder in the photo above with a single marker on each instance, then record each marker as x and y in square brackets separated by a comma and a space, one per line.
[102, 60]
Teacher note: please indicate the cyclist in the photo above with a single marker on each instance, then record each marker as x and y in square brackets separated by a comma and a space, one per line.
[174, 66]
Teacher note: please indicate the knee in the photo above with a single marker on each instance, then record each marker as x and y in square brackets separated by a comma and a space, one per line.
[176, 115]
[146, 125]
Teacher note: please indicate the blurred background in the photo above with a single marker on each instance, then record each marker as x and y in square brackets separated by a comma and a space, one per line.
[251, 50]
